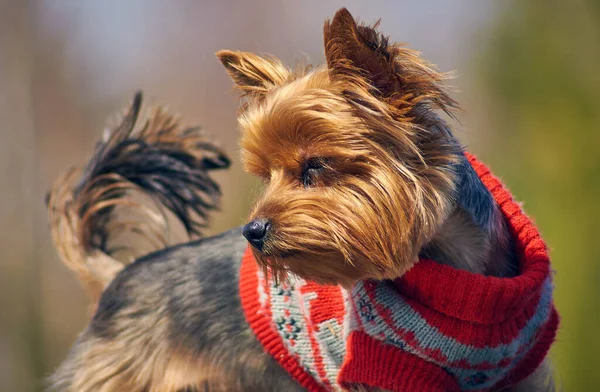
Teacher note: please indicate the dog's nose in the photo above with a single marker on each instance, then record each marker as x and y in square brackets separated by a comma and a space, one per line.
[256, 231]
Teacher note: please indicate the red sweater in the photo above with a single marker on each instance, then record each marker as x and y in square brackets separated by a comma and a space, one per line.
[434, 329]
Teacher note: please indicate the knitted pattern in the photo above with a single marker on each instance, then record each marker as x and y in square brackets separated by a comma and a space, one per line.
[434, 329]
[299, 323]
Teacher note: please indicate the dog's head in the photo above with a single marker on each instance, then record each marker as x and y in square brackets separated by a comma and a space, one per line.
[357, 166]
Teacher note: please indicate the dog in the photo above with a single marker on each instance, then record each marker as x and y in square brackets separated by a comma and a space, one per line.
[380, 256]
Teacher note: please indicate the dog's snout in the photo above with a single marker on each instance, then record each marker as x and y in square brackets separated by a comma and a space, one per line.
[256, 232]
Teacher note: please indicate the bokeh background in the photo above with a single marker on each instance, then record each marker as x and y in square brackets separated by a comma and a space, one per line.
[528, 76]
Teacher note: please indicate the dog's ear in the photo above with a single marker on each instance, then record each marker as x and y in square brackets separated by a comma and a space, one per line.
[352, 48]
[356, 51]
[254, 75]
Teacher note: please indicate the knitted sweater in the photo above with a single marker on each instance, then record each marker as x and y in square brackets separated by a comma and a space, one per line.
[434, 329]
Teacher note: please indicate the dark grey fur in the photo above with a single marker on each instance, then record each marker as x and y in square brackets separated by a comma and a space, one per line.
[198, 282]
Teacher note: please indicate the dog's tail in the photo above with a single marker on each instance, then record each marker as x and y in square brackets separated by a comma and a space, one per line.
[154, 160]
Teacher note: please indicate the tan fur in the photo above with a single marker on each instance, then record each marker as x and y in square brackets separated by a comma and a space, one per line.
[138, 362]
[377, 154]
[459, 239]
[96, 269]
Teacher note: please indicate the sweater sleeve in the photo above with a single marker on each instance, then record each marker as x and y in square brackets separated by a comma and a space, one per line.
[371, 362]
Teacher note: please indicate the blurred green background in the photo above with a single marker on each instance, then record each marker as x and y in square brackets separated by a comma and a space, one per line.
[529, 80]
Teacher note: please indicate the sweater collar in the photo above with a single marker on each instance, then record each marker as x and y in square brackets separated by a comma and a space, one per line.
[457, 293]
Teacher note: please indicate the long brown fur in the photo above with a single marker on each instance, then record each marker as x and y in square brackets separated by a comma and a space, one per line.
[378, 150]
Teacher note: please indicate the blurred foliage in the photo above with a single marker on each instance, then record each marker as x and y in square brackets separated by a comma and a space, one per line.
[541, 72]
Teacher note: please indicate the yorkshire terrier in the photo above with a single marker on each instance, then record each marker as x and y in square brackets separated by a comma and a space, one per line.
[380, 256]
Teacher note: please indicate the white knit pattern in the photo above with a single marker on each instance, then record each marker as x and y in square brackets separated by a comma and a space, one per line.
[289, 304]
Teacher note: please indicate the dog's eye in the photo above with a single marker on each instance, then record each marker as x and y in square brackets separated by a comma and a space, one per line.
[311, 170]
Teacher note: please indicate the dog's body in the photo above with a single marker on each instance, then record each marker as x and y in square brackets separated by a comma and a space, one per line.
[367, 180]
[205, 342]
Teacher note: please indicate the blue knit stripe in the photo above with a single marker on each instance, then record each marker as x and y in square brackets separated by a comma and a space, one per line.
[429, 337]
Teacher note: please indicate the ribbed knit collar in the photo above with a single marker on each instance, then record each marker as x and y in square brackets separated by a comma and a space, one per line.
[477, 298]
